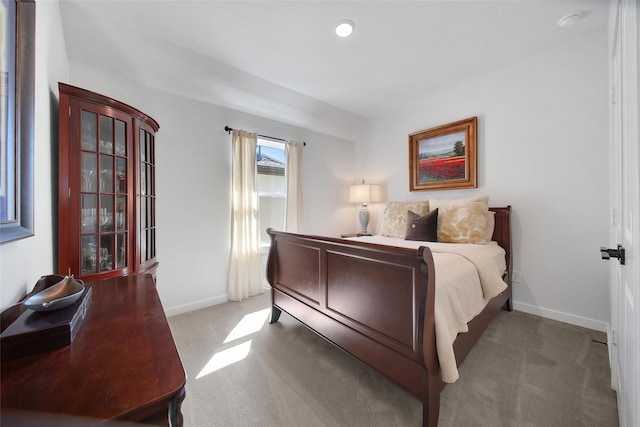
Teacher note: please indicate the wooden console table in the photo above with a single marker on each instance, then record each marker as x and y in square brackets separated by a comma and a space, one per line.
[123, 365]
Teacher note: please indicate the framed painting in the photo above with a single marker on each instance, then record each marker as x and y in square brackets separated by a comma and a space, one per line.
[444, 157]
[17, 94]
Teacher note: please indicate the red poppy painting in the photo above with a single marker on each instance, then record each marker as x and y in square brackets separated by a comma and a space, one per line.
[444, 157]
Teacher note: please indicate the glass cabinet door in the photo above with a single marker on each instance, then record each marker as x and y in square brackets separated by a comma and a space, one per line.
[104, 164]
[147, 197]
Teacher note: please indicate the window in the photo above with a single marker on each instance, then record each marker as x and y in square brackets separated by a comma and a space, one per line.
[271, 186]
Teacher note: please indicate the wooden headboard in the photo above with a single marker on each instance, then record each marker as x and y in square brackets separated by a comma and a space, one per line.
[502, 235]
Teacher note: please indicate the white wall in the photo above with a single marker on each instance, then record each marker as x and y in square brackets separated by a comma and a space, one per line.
[22, 262]
[193, 154]
[542, 132]
[542, 127]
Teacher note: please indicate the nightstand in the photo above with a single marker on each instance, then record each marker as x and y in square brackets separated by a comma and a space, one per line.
[344, 236]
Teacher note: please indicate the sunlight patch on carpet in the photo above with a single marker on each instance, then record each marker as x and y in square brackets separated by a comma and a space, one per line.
[250, 324]
[224, 358]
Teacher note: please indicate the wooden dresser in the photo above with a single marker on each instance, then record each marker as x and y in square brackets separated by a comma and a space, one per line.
[123, 365]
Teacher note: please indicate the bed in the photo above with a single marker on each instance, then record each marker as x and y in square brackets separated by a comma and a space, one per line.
[378, 301]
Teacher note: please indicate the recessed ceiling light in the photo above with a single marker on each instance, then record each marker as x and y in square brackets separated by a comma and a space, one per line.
[344, 28]
[569, 20]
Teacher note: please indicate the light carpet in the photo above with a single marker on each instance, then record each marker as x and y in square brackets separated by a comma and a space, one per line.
[524, 371]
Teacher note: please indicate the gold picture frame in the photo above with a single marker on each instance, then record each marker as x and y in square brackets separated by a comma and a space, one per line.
[444, 157]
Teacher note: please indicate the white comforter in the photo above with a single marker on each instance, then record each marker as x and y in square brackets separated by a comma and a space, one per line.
[467, 277]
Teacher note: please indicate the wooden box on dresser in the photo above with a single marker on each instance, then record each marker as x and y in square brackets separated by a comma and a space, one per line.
[106, 187]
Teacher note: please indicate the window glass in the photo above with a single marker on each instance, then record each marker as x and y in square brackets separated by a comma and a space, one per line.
[271, 186]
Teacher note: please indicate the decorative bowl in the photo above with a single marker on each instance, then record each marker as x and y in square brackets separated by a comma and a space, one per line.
[59, 295]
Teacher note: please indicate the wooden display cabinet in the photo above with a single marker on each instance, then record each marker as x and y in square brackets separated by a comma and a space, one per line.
[106, 187]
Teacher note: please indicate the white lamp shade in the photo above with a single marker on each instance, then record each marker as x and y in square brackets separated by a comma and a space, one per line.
[364, 193]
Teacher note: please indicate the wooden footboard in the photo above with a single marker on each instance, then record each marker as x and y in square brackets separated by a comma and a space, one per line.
[375, 302]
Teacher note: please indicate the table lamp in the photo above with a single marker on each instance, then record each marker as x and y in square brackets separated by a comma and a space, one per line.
[364, 193]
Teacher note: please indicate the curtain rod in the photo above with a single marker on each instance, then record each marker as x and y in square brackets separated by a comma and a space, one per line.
[228, 130]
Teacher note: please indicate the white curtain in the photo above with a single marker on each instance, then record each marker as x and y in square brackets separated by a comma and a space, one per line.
[293, 179]
[245, 267]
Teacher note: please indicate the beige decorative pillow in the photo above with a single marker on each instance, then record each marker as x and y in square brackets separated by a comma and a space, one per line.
[462, 220]
[394, 223]
[491, 224]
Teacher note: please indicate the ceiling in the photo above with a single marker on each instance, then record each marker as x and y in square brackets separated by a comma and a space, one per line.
[399, 51]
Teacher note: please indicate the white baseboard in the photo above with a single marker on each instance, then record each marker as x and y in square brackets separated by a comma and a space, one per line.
[185, 308]
[198, 305]
[572, 319]
[527, 308]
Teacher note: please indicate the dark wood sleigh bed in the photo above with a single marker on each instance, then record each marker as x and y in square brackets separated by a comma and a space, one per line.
[377, 303]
